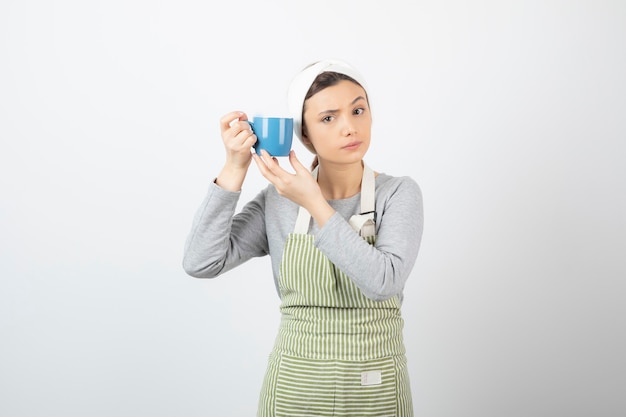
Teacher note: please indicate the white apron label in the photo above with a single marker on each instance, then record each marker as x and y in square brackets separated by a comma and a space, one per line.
[371, 378]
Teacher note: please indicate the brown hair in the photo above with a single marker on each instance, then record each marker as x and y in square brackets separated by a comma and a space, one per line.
[322, 81]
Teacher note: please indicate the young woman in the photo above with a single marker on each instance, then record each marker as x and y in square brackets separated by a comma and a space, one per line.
[342, 239]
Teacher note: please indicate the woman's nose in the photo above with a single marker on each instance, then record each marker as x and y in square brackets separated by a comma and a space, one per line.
[348, 128]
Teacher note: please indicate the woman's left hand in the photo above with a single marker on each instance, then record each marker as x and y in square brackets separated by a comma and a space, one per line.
[300, 187]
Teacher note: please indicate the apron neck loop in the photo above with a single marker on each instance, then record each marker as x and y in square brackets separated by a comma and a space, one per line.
[362, 222]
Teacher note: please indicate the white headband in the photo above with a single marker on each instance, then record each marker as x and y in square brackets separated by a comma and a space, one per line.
[302, 82]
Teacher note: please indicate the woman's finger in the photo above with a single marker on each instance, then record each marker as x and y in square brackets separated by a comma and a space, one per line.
[229, 118]
[269, 160]
[242, 136]
[260, 163]
[296, 164]
[270, 168]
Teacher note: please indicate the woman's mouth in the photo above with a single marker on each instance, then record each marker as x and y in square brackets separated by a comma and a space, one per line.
[352, 145]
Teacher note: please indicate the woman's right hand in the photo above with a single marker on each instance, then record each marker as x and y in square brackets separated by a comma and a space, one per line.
[238, 138]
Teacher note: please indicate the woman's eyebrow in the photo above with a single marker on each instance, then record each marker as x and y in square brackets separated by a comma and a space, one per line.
[336, 110]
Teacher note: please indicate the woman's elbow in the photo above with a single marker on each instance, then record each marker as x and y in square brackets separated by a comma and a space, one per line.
[381, 292]
[380, 296]
[198, 270]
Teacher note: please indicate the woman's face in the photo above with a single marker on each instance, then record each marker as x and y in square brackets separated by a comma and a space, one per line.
[338, 123]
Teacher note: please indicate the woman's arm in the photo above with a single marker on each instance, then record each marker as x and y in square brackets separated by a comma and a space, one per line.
[218, 240]
[379, 270]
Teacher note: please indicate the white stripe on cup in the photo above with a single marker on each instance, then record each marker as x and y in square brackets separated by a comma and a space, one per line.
[281, 137]
[265, 127]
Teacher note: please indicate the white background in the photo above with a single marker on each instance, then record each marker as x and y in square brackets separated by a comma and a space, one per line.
[511, 115]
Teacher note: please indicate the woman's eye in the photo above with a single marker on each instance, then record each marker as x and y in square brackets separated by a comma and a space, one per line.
[327, 119]
[358, 111]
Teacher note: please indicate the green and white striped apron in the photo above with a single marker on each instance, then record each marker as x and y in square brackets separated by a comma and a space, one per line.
[337, 352]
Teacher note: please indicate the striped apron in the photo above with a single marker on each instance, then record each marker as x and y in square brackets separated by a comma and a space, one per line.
[337, 352]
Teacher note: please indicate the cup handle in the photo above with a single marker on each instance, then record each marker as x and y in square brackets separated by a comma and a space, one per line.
[256, 144]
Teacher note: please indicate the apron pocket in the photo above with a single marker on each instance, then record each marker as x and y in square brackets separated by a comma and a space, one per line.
[267, 399]
[335, 388]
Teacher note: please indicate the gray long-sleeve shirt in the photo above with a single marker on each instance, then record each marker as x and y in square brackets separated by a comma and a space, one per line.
[220, 240]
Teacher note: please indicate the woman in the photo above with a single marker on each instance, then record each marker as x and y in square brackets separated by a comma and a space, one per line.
[342, 240]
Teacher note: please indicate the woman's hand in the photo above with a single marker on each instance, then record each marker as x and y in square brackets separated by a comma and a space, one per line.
[300, 187]
[238, 138]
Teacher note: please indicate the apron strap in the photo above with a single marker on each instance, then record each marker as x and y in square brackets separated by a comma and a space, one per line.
[362, 222]
[302, 222]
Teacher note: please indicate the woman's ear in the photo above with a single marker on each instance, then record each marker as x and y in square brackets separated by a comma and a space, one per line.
[305, 137]
[307, 142]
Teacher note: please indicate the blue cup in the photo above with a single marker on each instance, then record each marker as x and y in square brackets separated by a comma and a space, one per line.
[274, 135]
